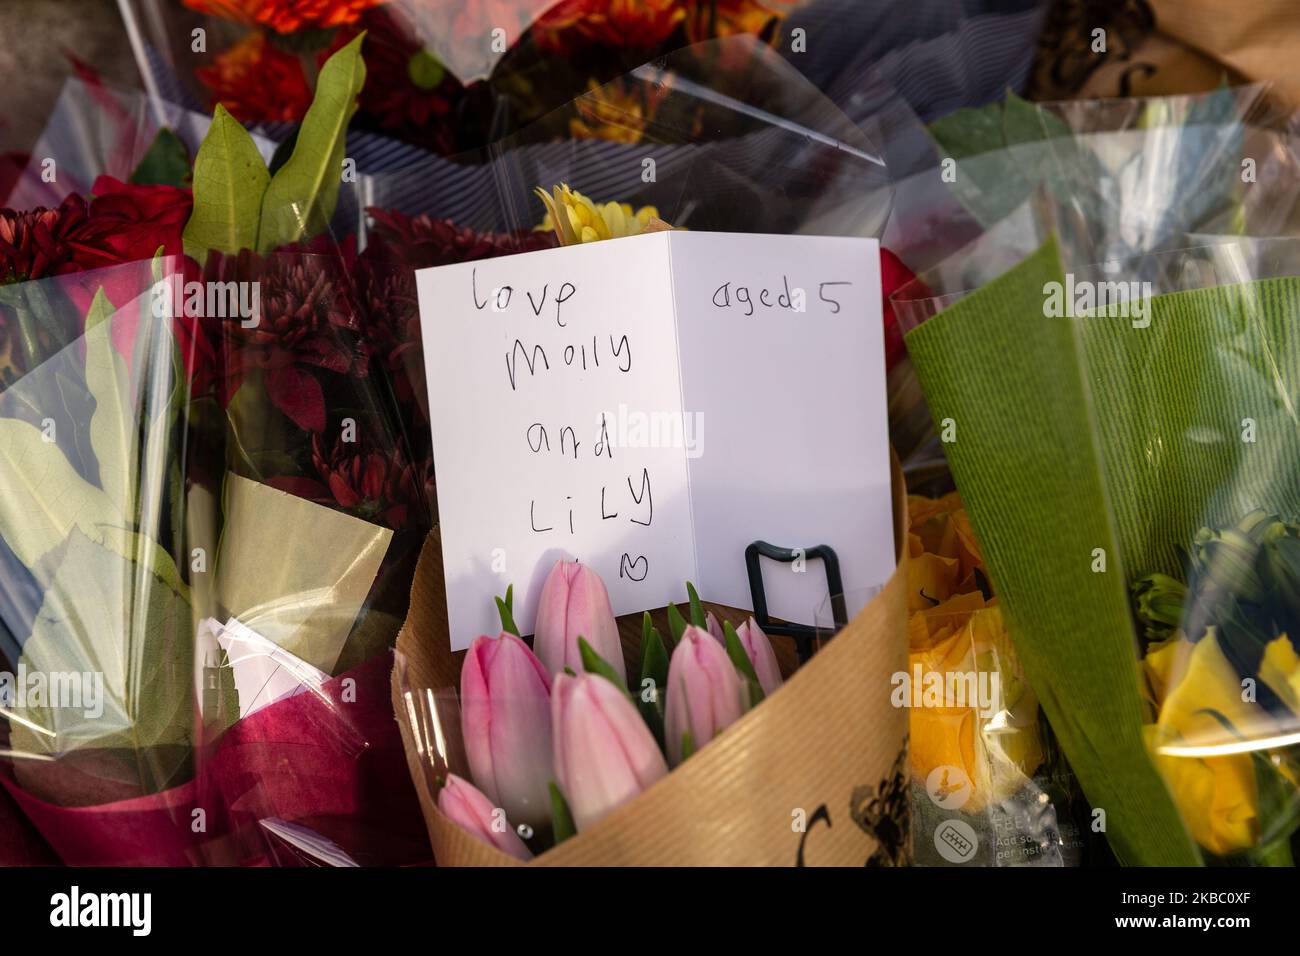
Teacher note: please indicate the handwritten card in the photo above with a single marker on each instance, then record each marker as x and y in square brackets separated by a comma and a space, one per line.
[652, 405]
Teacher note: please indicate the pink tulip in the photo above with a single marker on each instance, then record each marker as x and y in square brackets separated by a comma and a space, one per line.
[466, 806]
[506, 716]
[759, 648]
[574, 604]
[715, 629]
[704, 692]
[604, 753]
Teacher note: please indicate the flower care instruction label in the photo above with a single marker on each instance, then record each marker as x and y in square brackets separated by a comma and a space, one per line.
[652, 405]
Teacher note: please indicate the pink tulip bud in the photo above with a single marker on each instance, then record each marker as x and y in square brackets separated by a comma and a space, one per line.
[506, 717]
[604, 753]
[715, 629]
[574, 604]
[759, 648]
[704, 692]
[466, 806]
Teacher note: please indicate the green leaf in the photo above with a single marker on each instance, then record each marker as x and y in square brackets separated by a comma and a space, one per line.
[698, 617]
[299, 202]
[166, 163]
[736, 651]
[654, 667]
[1025, 122]
[42, 498]
[113, 426]
[230, 180]
[688, 744]
[561, 819]
[104, 615]
[676, 623]
[506, 609]
[593, 663]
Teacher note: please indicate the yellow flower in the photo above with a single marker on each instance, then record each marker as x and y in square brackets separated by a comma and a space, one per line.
[576, 219]
[1280, 670]
[998, 748]
[1217, 795]
[616, 112]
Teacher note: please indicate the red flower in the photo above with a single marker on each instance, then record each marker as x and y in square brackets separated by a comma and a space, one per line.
[307, 321]
[255, 81]
[287, 16]
[364, 478]
[640, 24]
[893, 276]
[420, 241]
[407, 90]
[37, 244]
[89, 243]
[128, 222]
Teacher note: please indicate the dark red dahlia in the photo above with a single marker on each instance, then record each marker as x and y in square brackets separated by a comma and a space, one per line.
[39, 243]
[360, 475]
[420, 241]
[307, 320]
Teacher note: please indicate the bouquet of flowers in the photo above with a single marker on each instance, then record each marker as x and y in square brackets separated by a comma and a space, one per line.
[1129, 477]
[211, 510]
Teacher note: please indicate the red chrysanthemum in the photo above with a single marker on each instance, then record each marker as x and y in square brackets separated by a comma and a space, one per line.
[372, 480]
[287, 16]
[308, 322]
[256, 81]
[38, 243]
[421, 241]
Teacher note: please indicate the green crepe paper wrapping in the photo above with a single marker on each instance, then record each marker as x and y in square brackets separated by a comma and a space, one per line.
[1028, 464]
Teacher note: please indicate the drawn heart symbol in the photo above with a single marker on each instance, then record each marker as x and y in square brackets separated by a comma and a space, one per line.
[627, 567]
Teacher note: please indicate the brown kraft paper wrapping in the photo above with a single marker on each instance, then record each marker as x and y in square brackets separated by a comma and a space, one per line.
[815, 775]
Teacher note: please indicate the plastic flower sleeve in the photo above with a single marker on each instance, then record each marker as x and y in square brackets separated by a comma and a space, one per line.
[1152, 404]
[753, 149]
[98, 616]
[197, 661]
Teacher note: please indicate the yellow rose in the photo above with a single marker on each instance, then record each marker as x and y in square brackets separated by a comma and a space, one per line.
[1217, 795]
[997, 749]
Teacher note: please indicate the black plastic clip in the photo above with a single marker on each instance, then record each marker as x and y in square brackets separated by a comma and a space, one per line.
[803, 634]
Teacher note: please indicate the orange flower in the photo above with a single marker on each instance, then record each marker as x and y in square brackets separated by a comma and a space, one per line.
[574, 24]
[287, 16]
[256, 81]
[615, 112]
[725, 18]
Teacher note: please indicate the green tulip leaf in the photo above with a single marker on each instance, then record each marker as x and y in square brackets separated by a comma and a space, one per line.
[736, 651]
[299, 202]
[654, 668]
[676, 623]
[593, 663]
[506, 609]
[561, 819]
[698, 617]
[230, 180]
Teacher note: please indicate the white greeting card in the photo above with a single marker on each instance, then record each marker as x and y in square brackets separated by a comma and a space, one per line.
[651, 406]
